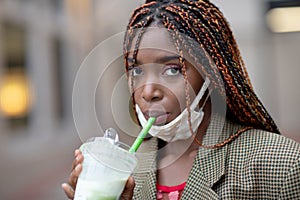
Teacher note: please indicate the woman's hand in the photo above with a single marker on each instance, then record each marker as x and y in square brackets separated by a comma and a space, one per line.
[128, 190]
[69, 188]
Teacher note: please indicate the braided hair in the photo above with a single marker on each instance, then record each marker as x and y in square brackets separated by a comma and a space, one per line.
[204, 23]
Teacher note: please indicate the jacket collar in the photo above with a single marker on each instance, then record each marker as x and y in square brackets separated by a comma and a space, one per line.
[211, 162]
[206, 171]
[145, 173]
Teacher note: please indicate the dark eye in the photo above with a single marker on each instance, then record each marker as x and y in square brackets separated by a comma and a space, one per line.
[172, 70]
[136, 71]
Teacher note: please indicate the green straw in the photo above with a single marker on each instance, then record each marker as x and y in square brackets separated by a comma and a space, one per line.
[138, 141]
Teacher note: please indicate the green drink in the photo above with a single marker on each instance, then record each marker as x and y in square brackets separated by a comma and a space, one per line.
[106, 168]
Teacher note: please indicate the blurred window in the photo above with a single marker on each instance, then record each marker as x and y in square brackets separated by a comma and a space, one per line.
[14, 91]
[57, 52]
[57, 5]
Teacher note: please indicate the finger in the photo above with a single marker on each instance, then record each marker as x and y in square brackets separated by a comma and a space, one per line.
[68, 190]
[128, 190]
[74, 176]
[78, 158]
[76, 152]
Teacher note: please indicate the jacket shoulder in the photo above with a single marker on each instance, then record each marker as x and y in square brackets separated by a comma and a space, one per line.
[267, 143]
[263, 164]
[265, 147]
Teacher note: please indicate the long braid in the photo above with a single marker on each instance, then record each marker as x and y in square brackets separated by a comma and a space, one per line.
[178, 42]
[205, 24]
[170, 24]
[181, 13]
[132, 29]
[190, 47]
[255, 101]
[216, 48]
[237, 72]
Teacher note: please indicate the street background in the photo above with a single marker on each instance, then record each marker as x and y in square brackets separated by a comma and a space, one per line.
[44, 42]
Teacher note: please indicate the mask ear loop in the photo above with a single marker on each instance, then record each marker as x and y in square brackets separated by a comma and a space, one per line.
[200, 109]
[221, 144]
[206, 85]
[200, 94]
[205, 100]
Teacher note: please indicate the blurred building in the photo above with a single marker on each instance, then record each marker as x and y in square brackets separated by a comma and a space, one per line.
[43, 43]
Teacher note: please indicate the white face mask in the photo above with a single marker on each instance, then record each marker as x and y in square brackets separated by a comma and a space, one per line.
[178, 129]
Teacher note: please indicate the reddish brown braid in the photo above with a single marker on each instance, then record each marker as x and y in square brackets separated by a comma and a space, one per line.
[204, 23]
[177, 41]
[175, 37]
[215, 47]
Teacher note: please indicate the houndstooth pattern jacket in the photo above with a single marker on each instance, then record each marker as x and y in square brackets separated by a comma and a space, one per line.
[256, 165]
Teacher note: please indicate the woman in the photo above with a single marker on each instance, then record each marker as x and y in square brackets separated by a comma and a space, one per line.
[180, 56]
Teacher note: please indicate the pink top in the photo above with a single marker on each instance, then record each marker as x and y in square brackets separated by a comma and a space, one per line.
[169, 192]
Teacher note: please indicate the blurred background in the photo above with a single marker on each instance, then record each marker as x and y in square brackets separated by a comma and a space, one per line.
[44, 42]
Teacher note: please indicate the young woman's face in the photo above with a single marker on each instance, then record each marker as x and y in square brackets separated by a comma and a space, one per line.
[157, 81]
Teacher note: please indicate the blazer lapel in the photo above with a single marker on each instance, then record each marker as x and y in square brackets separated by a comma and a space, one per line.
[145, 173]
[148, 189]
[208, 168]
[209, 164]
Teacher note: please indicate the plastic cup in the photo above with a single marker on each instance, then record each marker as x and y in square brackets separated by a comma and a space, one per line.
[106, 168]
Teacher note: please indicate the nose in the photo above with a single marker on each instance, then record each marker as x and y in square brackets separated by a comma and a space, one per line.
[152, 92]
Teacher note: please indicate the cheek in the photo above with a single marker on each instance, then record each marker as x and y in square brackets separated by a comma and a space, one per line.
[195, 79]
[179, 98]
[137, 96]
[196, 82]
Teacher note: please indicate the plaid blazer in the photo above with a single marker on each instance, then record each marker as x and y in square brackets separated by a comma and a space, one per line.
[256, 165]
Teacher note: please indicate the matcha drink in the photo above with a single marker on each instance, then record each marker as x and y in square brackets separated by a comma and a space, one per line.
[98, 191]
[107, 165]
[105, 170]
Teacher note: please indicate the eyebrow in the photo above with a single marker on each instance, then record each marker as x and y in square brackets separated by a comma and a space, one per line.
[162, 59]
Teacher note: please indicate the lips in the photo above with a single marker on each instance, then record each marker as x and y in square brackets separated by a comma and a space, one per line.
[161, 117]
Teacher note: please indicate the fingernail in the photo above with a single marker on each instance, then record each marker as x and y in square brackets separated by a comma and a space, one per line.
[76, 152]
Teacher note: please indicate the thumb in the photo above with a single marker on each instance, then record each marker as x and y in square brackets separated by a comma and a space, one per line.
[128, 190]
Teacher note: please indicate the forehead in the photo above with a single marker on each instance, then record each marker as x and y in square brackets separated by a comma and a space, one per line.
[154, 38]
